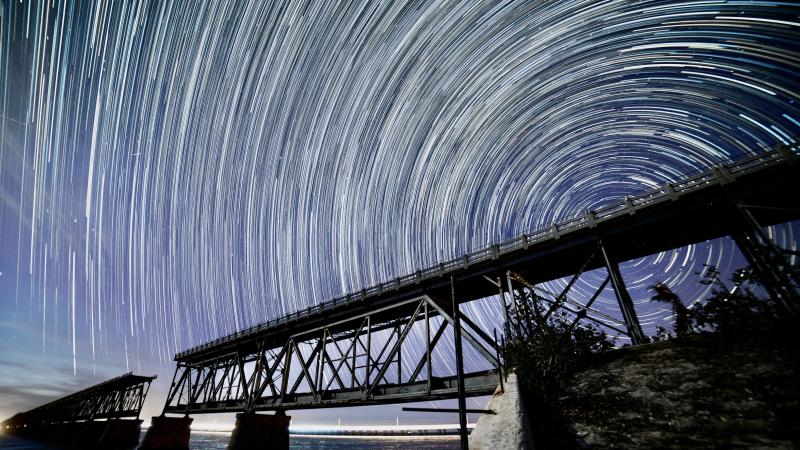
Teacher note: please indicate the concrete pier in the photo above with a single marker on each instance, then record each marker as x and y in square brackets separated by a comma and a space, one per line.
[106, 434]
[120, 433]
[508, 426]
[88, 434]
[167, 433]
[260, 432]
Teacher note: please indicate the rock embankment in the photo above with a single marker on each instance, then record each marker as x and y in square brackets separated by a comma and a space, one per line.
[703, 392]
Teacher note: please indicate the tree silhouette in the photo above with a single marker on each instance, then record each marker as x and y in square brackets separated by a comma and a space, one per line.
[664, 294]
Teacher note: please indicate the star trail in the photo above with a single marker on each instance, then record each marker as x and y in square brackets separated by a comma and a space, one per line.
[171, 172]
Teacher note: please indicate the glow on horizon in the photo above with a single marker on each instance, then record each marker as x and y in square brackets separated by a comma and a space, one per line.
[227, 428]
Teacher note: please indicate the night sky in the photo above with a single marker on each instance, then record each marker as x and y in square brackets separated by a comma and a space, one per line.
[171, 172]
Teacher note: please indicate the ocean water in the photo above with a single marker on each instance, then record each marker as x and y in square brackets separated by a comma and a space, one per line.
[208, 441]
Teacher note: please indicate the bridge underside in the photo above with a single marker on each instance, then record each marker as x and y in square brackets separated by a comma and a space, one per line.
[476, 384]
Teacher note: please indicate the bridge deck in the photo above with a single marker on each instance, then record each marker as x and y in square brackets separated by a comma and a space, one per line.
[695, 209]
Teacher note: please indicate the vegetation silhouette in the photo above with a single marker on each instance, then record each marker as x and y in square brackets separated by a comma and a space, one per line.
[734, 310]
[664, 294]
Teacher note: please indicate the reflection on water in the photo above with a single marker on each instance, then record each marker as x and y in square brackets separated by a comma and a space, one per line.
[208, 441]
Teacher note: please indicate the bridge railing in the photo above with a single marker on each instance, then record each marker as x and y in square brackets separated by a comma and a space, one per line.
[719, 174]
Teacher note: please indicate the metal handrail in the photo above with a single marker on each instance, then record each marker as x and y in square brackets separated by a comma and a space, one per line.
[709, 176]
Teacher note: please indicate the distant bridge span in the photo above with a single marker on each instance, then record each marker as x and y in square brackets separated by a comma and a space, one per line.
[105, 415]
[355, 349]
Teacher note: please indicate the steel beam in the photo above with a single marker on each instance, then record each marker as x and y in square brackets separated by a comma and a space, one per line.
[779, 277]
[448, 410]
[462, 401]
[624, 299]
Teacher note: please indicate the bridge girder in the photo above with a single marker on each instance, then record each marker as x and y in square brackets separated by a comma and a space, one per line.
[354, 361]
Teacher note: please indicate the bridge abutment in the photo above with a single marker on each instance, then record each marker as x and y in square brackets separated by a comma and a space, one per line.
[260, 431]
[167, 433]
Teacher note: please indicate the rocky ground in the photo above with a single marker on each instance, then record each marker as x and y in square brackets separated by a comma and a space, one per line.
[701, 392]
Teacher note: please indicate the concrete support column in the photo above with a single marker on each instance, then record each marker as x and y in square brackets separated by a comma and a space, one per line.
[65, 433]
[60, 432]
[260, 431]
[167, 433]
[121, 433]
[89, 433]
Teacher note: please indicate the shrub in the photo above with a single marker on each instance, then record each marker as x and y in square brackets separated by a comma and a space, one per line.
[546, 350]
[732, 311]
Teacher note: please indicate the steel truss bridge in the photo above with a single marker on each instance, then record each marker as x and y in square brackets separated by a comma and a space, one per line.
[396, 341]
[117, 398]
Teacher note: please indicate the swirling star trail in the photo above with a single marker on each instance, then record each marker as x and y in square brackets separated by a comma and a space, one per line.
[173, 171]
